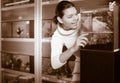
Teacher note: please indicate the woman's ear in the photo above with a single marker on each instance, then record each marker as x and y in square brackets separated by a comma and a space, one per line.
[59, 20]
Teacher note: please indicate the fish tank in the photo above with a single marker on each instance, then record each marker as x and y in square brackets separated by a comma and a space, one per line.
[100, 25]
[18, 29]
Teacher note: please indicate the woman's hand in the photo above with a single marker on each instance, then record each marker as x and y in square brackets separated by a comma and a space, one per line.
[82, 40]
[112, 5]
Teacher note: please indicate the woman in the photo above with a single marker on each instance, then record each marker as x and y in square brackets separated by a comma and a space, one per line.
[67, 34]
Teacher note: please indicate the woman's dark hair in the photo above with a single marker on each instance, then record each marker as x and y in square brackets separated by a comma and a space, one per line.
[60, 8]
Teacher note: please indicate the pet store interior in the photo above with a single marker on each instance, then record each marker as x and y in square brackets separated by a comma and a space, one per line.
[25, 42]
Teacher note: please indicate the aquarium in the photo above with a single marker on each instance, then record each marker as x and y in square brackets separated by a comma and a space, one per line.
[98, 24]
[18, 29]
[18, 62]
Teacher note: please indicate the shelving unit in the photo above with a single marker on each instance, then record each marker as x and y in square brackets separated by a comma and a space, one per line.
[21, 45]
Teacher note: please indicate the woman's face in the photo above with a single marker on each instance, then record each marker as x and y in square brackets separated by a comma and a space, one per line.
[70, 18]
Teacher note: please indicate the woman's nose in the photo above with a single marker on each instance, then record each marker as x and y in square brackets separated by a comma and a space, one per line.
[76, 17]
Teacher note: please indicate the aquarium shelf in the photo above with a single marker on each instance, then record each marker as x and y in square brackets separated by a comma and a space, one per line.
[53, 78]
[17, 7]
[94, 10]
[18, 39]
[56, 1]
[16, 53]
[97, 32]
[18, 20]
[47, 40]
[16, 72]
[17, 3]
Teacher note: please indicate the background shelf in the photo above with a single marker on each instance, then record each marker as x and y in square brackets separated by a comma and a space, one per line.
[53, 78]
[17, 7]
[17, 72]
[56, 1]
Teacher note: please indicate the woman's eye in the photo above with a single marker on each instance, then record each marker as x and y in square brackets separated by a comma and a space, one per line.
[69, 16]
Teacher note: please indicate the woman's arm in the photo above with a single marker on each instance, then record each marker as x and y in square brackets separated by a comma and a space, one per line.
[80, 42]
[68, 53]
[56, 50]
[59, 58]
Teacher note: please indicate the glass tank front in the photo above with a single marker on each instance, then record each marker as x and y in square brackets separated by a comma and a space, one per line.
[98, 24]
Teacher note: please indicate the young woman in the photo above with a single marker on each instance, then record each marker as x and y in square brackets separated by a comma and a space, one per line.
[67, 34]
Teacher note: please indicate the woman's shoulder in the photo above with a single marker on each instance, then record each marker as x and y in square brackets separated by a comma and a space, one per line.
[55, 33]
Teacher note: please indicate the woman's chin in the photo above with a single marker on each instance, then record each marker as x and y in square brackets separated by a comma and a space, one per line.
[75, 27]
